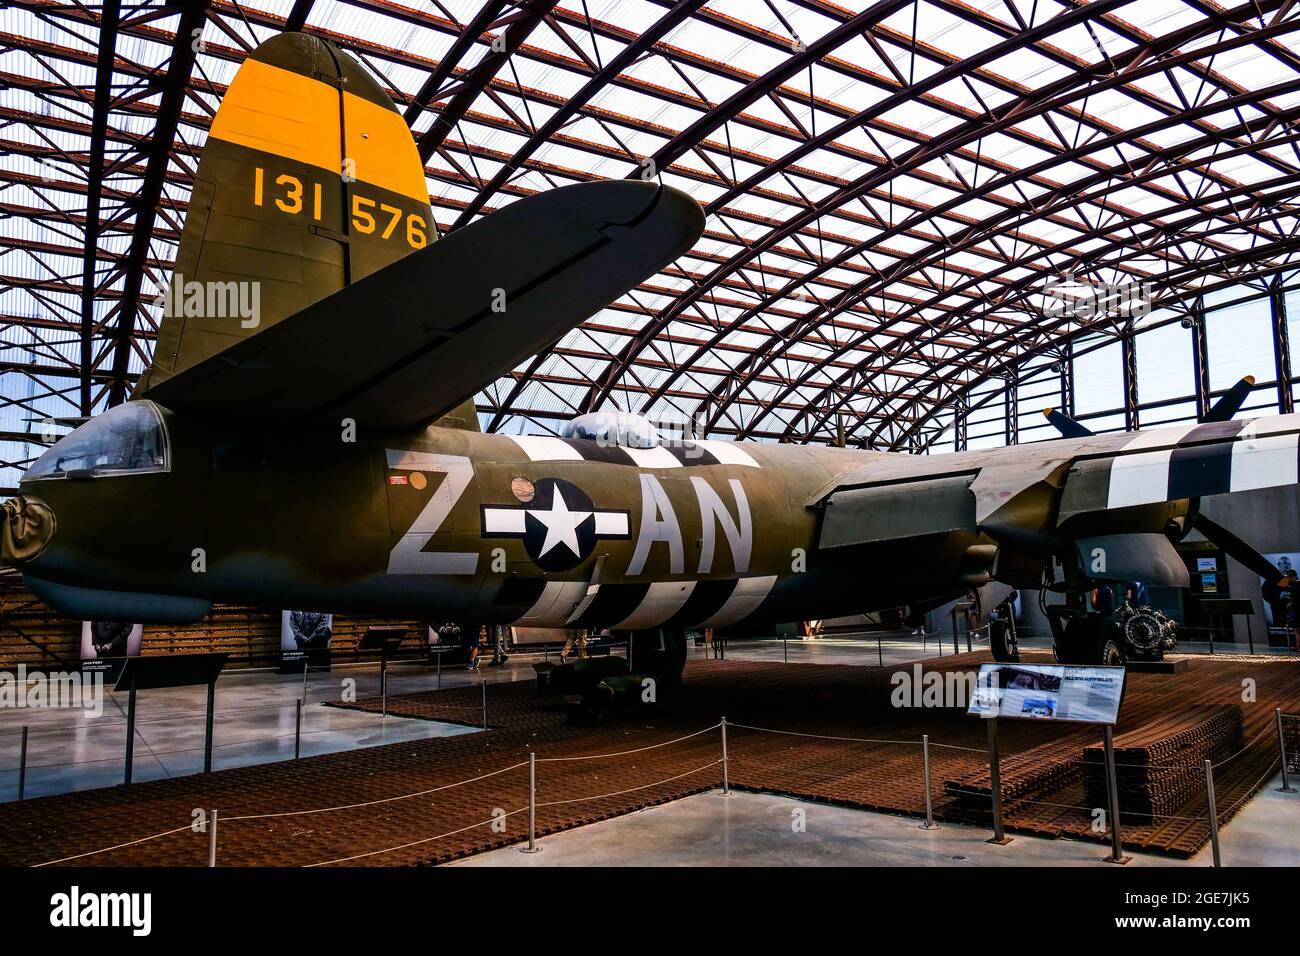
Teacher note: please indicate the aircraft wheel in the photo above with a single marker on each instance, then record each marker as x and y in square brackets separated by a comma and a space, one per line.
[1003, 643]
[1107, 650]
[661, 651]
[1082, 641]
[675, 643]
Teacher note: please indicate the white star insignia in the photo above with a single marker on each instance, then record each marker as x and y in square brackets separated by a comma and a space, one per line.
[561, 524]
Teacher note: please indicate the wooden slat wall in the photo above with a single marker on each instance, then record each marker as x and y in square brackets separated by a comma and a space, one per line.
[32, 634]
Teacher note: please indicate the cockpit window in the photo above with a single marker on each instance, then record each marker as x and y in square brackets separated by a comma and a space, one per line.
[126, 439]
[613, 428]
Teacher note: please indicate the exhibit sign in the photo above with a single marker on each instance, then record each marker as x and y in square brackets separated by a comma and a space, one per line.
[1277, 601]
[105, 646]
[305, 638]
[444, 639]
[1069, 692]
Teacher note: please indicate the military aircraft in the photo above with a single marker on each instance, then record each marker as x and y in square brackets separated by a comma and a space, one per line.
[306, 435]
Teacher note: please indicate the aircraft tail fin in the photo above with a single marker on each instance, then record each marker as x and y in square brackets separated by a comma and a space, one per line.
[309, 181]
[464, 416]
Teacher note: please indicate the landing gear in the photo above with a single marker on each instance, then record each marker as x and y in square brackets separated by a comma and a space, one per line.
[1002, 637]
[1108, 650]
[1129, 634]
[1085, 639]
[650, 676]
[660, 652]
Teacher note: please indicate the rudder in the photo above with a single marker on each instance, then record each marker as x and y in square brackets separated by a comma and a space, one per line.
[309, 181]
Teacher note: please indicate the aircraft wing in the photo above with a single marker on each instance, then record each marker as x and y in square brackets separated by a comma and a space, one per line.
[1119, 492]
[408, 343]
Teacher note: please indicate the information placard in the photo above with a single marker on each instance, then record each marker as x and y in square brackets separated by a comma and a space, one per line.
[1072, 692]
[305, 638]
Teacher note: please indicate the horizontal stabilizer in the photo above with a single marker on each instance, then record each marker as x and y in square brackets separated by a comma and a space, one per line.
[415, 339]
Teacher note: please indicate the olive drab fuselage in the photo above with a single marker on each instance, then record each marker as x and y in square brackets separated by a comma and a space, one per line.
[448, 523]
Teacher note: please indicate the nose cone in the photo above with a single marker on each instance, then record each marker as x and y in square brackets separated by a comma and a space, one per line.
[26, 527]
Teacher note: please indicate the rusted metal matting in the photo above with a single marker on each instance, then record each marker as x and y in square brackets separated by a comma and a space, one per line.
[395, 804]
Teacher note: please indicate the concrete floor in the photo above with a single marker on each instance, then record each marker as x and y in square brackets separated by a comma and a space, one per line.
[254, 723]
[758, 829]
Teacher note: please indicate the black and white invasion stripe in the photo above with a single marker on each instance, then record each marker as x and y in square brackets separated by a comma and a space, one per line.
[1192, 460]
[671, 455]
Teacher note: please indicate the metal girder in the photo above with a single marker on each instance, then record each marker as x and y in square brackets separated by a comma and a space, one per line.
[530, 14]
[629, 55]
[1029, 283]
[447, 65]
[173, 85]
[297, 18]
[1040, 102]
[992, 345]
[1281, 346]
[109, 16]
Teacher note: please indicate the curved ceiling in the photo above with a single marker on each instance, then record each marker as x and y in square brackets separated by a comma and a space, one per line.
[890, 190]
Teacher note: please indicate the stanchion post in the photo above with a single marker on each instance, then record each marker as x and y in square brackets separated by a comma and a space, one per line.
[1112, 797]
[22, 764]
[383, 683]
[212, 839]
[532, 846]
[306, 666]
[207, 730]
[995, 779]
[1214, 813]
[1281, 742]
[726, 779]
[130, 729]
[483, 684]
[297, 730]
[929, 823]
[880, 652]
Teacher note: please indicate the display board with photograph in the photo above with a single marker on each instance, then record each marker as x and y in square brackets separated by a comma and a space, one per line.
[446, 638]
[1278, 611]
[105, 646]
[305, 638]
[1083, 694]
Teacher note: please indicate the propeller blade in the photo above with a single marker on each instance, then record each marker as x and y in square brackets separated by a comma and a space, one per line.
[839, 441]
[1233, 546]
[1231, 401]
[1066, 425]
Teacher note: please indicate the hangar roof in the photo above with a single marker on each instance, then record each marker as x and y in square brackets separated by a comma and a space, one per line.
[893, 190]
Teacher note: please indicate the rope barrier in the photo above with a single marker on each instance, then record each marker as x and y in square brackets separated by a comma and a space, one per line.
[405, 846]
[619, 793]
[624, 753]
[109, 849]
[795, 733]
[373, 803]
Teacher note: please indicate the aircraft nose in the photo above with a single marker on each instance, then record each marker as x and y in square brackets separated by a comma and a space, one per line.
[26, 527]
